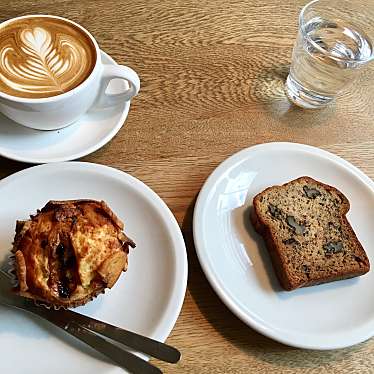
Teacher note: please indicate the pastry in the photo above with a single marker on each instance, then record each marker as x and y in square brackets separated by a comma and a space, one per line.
[69, 252]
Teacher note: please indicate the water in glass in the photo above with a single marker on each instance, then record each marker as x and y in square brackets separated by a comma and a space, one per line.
[326, 58]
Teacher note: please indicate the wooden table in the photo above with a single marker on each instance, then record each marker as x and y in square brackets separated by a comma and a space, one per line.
[212, 77]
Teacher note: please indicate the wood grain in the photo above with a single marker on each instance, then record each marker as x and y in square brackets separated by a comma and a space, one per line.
[212, 76]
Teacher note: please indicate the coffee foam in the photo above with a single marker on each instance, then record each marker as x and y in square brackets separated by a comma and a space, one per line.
[43, 57]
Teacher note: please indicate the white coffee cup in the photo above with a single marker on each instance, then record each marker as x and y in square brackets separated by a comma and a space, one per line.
[59, 111]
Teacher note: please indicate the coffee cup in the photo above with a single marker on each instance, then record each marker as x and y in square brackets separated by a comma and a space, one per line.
[51, 72]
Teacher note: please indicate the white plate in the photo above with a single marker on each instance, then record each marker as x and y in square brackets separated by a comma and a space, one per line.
[96, 128]
[147, 298]
[237, 265]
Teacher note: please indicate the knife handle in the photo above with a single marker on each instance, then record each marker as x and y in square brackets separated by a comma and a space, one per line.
[132, 340]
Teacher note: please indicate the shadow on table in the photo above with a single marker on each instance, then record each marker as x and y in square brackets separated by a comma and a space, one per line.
[267, 89]
[237, 332]
[8, 167]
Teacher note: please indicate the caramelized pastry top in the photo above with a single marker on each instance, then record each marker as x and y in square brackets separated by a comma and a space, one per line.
[70, 251]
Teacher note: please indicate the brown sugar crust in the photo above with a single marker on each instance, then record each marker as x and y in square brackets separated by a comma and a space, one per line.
[69, 252]
[307, 234]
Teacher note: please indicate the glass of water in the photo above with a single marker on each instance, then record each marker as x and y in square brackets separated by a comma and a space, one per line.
[334, 43]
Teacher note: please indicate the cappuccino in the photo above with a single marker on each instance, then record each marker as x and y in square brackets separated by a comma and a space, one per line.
[43, 56]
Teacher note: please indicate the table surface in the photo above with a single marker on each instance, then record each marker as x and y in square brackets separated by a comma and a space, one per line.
[212, 76]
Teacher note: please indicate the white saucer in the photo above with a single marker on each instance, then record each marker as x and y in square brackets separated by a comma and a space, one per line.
[87, 135]
[146, 299]
[236, 262]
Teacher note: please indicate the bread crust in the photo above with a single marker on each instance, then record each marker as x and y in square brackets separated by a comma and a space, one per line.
[287, 281]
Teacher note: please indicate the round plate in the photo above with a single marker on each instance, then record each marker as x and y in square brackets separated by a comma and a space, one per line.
[236, 262]
[146, 299]
[91, 132]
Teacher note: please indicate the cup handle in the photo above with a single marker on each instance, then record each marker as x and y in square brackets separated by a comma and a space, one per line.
[118, 71]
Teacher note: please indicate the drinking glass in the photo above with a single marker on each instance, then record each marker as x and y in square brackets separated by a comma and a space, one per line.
[334, 44]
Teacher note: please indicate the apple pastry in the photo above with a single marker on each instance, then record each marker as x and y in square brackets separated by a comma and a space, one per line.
[69, 252]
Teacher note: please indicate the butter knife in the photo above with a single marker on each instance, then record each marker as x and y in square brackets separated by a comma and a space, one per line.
[86, 329]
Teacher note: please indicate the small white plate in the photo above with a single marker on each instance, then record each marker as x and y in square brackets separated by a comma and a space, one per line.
[147, 298]
[96, 128]
[236, 263]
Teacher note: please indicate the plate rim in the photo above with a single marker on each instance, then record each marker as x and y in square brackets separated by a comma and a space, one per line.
[69, 157]
[178, 292]
[211, 274]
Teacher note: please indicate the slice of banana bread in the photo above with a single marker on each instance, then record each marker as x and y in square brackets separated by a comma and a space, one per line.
[307, 234]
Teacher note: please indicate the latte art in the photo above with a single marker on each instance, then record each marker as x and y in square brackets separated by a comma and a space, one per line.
[42, 57]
